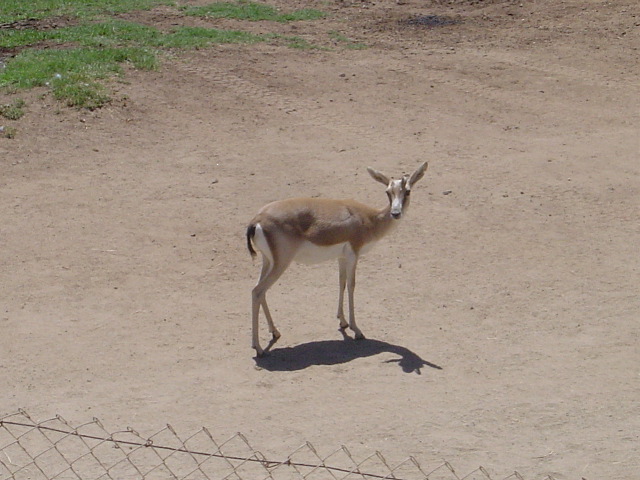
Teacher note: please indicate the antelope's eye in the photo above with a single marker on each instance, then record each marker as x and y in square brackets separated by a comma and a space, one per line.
[407, 193]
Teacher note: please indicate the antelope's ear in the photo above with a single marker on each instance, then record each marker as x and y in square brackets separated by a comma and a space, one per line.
[418, 174]
[378, 176]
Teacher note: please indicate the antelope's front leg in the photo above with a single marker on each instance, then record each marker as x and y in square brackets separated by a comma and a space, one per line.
[342, 265]
[351, 263]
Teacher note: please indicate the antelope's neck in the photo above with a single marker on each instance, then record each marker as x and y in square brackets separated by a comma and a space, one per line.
[385, 223]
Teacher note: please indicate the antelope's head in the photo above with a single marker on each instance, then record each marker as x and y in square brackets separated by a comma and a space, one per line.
[398, 191]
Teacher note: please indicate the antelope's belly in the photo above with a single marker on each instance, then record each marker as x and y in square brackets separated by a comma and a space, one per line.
[310, 253]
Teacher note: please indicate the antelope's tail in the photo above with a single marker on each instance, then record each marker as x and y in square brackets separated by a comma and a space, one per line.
[251, 231]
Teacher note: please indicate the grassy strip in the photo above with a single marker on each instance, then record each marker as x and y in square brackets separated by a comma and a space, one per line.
[89, 53]
[74, 61]
[193, 37]
[16, 10]
[118, 34]
[252, 11]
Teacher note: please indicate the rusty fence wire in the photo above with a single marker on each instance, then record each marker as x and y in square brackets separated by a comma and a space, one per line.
[54, 449]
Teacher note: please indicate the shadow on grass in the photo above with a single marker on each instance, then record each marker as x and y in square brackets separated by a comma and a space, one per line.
[336, 352]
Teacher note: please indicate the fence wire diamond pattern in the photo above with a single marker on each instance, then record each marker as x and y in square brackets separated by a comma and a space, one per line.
[54, 449]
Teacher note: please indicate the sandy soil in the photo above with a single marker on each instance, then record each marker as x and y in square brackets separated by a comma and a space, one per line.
[125, 280]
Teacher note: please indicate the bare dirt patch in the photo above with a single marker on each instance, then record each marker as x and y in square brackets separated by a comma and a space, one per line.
[503, 314]
[39, 23]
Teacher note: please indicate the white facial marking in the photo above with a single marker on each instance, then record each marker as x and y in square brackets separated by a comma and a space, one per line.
[396, 193]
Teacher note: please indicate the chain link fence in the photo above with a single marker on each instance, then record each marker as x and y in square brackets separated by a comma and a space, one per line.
[54, 449]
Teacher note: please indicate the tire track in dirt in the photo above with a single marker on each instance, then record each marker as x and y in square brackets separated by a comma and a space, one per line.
[309, 111]
[492, 77]
[314, 113]
[469, 73]
[553, 69]
[244, 87]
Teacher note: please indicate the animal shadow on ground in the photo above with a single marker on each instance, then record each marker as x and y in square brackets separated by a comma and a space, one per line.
[335, 352]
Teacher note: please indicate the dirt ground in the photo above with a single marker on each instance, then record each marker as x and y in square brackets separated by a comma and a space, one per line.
[502, 318]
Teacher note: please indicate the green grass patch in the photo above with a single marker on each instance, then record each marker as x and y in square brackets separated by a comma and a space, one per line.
[33, 68]
[16, 10]
[252, 11]
[73, 75]
[343, 40]
[292, 41]
[17, 38]
[193, 37]
[8, 132]
[14, 110]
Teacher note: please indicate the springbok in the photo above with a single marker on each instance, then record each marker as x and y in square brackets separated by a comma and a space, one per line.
[312, 230]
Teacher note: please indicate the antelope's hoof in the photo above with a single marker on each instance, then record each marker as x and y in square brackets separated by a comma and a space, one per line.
[259, 352]
[359, 336]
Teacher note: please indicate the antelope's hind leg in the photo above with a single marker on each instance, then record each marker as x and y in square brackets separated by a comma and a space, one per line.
[255, 309]
[270, 274]
[259, 298]
[275, 334]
